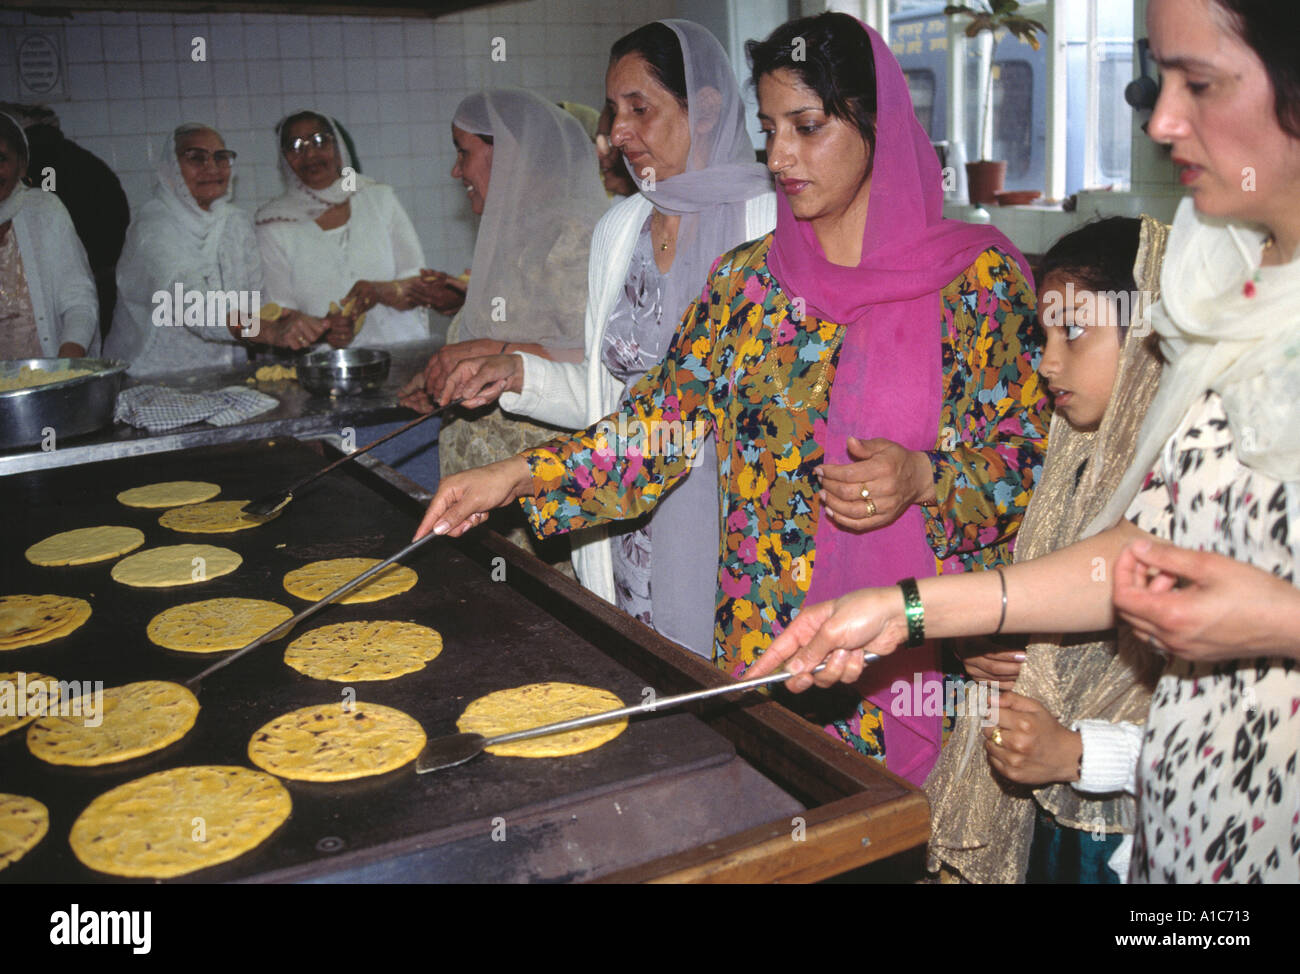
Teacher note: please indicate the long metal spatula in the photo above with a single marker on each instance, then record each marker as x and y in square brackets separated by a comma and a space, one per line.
[446, 752]
[276, 500]
[285, 627]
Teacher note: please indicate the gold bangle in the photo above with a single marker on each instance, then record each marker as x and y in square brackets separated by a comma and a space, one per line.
[1003, 617]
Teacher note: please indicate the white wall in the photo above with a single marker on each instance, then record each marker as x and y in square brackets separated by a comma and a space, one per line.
[393, 82]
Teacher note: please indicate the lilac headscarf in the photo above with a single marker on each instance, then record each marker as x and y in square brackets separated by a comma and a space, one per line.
[888, 381]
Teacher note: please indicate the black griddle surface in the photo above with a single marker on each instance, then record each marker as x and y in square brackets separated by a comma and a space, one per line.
[494, 638]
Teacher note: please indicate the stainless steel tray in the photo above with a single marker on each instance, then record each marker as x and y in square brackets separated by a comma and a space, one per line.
[70, 408]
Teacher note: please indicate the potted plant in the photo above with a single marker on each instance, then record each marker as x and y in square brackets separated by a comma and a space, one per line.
[985, 177]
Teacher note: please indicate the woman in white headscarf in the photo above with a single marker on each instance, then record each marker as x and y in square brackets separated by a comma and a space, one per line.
[48, 306]
[531, 173]
[189, 235]
[338, 238]
[679, 123]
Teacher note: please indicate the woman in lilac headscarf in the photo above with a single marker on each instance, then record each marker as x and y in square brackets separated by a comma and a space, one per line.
[868, 361]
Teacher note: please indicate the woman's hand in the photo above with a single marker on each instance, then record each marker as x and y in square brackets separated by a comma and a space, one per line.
[893, 478]
[1203, 606]
[340, 329]
[868, 620]
[293, 329]
[464, 499]
[413, 396]
[986, 661]
[445, 293]
[444, 362]
[479, 381]
[71, 350]
[1029, 745]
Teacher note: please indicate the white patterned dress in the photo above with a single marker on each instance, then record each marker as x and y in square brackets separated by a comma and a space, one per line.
[1219, 794]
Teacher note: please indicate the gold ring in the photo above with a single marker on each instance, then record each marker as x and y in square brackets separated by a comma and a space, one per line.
[997, 736]
[871, 507]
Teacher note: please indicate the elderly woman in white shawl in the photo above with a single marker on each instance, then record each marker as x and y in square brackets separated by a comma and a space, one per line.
[337, 245]
[192, 238]
[48, 306]
[530, 171]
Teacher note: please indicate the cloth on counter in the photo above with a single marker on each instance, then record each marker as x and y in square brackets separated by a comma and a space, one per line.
[158, 409]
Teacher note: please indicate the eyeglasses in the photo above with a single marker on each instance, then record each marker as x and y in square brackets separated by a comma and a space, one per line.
[317, 140]
[199, 157]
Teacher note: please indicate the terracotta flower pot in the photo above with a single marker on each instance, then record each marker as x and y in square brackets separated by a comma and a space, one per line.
[985, 180]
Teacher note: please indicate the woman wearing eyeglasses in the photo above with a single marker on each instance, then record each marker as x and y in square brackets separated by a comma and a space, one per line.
[189, 236]
[336, 237]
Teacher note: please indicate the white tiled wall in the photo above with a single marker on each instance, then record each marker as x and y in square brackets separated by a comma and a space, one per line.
[393, 82]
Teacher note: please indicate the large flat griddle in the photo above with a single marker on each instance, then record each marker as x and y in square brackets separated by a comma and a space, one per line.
[494, 638]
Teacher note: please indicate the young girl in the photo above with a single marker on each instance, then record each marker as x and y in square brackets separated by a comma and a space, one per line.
[1071, 730]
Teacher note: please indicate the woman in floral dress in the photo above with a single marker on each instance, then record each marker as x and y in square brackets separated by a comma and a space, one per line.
[867, 370]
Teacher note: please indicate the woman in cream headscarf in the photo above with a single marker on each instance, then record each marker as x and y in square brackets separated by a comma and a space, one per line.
[679, 122]
[531, 173]
[981, 823]
[191, 235]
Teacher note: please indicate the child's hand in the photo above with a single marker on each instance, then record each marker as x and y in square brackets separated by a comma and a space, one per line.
[1029, 745]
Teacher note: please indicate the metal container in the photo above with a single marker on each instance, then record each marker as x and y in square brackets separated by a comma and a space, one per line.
[343, 371]
[70, 408]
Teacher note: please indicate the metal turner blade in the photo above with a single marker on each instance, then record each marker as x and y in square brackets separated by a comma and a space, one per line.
[454, 749]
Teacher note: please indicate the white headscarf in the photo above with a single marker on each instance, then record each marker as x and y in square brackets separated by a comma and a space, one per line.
[544, 199]
[721, 173]
[203, 226]
[14, 202]
[1228, 325]
[301, 203]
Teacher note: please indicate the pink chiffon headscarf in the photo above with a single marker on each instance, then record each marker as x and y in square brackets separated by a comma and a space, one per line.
[888, 382]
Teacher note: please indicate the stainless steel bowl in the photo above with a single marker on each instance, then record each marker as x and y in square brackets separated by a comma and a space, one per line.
[343, 371]
[70, 408]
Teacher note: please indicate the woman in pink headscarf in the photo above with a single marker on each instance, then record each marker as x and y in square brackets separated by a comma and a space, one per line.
[869, 362]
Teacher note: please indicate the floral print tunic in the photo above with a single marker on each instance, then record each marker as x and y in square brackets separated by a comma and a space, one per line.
[747, 367]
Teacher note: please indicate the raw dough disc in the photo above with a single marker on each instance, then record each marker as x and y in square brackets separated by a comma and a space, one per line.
[15, 696]
[214, 517]
[215, 625]
[175, 565]
[350, 651]
[329, 743]
[318, 579]
[85, 545]
[27, 620]
[176, 821]
[507, 711]
[137, 718]
[23, 823]
[172, 493]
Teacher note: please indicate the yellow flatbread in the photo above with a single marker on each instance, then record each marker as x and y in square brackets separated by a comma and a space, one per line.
[507, 711]
[178, 564]
[28, 620]
[215, 625]
[175, 822]
[330, 743]
[85, 545]
[214, 517]
[270, 311]
[132, 720]
[319, 578]
[349, 651]
[23, 823]
[24, 696]
[171, 493]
